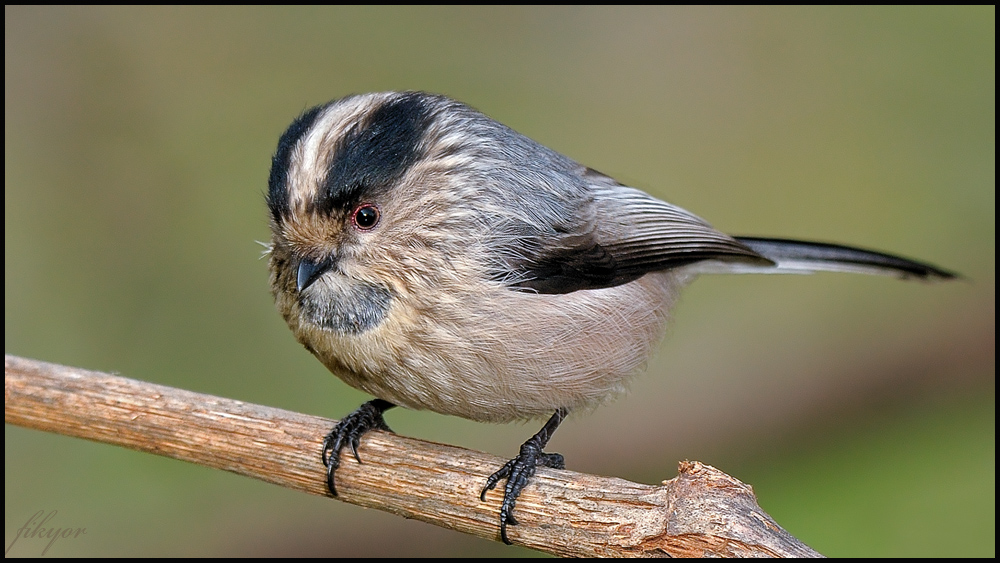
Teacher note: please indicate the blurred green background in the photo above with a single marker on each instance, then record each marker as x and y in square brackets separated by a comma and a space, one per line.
[861, 409]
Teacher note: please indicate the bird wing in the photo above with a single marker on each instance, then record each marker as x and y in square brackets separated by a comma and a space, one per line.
[616, 235]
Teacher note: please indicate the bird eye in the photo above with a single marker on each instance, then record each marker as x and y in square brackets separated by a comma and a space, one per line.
[365, 216]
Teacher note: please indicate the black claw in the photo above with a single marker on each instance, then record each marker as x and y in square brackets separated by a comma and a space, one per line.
[519, 471]
[349, 431]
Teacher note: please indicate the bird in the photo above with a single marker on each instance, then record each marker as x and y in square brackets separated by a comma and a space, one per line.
[436, 259]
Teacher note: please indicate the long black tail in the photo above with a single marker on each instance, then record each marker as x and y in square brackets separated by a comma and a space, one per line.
[796, 256]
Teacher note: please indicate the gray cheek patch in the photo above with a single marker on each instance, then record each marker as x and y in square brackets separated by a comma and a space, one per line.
[346, 306]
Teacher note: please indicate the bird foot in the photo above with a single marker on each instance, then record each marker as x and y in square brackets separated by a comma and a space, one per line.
[519, 471]
[349, 431]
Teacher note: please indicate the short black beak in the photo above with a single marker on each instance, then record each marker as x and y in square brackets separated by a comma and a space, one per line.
[309, 271]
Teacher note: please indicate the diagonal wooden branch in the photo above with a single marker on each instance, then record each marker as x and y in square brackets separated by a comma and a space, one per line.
[701, 512]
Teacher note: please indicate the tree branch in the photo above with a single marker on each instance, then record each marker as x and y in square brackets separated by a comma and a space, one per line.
[701, 512]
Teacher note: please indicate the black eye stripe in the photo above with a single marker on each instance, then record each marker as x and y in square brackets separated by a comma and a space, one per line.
[377, 151]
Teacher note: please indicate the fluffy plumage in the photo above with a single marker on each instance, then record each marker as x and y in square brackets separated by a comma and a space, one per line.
[439, 260]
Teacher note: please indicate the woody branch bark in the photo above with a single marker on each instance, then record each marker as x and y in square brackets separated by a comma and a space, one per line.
[701, 512]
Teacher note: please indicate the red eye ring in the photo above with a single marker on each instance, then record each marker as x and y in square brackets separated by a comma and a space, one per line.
[365, 216]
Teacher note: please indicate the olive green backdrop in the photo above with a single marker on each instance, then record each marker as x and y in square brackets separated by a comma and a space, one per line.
[862, 410]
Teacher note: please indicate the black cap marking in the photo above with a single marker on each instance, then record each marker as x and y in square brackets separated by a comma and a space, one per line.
[277, 182]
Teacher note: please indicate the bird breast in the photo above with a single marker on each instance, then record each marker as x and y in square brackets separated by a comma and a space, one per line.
[498, 354]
